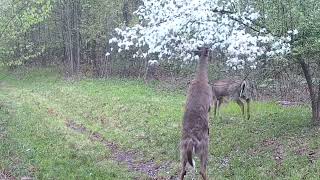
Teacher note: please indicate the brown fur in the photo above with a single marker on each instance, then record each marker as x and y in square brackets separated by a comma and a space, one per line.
[195, 132]
[230, 89]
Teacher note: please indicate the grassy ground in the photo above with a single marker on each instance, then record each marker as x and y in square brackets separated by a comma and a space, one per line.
[52, 128]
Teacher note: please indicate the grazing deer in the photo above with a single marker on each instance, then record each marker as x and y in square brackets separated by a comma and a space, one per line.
[230, 89]
[195, 131]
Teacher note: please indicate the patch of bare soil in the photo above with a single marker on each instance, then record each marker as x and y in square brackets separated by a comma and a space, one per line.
[305, 150]
[289, 103]
[297, 146]
[313, 155]
[6, 175]
[132, 159]
[277, 148]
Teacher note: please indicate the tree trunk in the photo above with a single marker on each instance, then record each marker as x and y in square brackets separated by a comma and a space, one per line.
[318, 105]
[93, 57]
[77, 29]
[318, 99]
[314, 100]
[70, 42]
[125, 12]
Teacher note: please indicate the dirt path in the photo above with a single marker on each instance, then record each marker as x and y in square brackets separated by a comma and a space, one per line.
[129, 158]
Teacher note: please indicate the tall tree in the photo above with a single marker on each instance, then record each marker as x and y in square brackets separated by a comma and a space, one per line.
[304, 16]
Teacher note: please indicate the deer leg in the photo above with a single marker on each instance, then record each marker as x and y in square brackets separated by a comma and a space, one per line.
[183, 170]
[248, 108]
[204, 161]
[240, 103]
[215, 104]
[219, 102]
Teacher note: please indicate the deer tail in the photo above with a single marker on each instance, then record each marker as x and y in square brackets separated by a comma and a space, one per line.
[189, 153]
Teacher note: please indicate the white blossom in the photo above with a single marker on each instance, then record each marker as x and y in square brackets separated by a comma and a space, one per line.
[113, 40]
[253, 66]
[174, 28]
[153, 62]
[288, 38]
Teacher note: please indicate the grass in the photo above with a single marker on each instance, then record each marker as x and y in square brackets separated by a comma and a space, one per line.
[276, 143]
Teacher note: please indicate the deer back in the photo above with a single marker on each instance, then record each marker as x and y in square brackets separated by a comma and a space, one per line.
[227, 88]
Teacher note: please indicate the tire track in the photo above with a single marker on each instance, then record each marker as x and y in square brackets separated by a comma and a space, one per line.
[129, 158]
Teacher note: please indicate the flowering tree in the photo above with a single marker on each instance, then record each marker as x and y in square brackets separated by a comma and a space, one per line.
[172, 29]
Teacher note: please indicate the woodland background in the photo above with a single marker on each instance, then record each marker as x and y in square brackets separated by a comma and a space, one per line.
[74, 35]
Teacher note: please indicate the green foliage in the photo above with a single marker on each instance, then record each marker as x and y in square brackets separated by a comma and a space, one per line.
[37, 31]
[31, 13]
[100, 17]
[304, 16]
[18, 21]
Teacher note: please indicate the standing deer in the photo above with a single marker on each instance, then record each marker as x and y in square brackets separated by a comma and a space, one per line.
[195, 131]
[230, 89]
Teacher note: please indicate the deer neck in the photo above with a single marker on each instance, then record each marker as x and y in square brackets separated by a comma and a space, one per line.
[202, 69]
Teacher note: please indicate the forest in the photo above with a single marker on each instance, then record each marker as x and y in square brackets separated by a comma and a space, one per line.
[99, 89]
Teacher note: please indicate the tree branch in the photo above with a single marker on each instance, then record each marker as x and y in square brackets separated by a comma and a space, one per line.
[4, 27]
